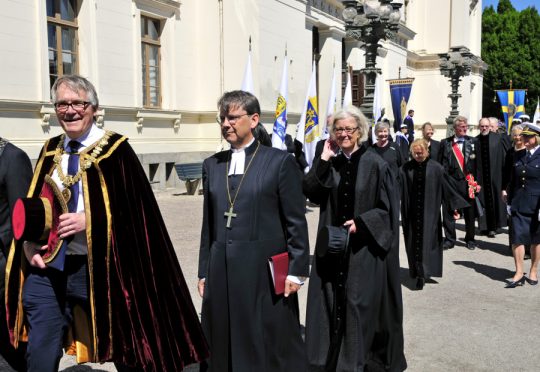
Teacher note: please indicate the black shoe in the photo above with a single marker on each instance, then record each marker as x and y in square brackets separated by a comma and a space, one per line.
[531, 282]
[448, 245]
[420, 283]
[471, 245]
[514, 284]
[491, 234]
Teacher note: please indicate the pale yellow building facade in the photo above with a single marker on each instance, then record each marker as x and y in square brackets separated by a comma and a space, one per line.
[160, 65]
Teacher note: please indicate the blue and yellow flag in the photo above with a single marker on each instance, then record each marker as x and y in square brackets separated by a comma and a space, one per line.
[512, 104]
[280, 123]
[307, 130]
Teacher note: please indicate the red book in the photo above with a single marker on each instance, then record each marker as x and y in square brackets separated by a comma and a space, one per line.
[279, 268]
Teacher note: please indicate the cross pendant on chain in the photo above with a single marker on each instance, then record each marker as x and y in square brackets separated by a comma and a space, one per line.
[229, 216]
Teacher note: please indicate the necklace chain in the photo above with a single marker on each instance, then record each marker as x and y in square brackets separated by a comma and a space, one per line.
[70, 180]
[231, 202]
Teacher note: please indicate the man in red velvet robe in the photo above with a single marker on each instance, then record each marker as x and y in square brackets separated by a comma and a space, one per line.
[117, 290]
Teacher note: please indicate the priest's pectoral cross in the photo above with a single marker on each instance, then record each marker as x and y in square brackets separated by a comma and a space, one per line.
[230, 214]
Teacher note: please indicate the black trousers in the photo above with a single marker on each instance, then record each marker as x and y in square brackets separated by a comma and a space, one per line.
[449, 224]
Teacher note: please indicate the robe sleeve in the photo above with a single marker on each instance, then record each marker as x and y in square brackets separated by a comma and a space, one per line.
[318, 182]
[204, 249]
[450, 196]
[292, 204]
[374, 221]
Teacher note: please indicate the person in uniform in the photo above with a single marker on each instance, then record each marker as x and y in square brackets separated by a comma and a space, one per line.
[410, 124]
[424, 185]
[253, 209]
[115, 287]
[354, 311]
[524, 203]
[458, 157]
[403, 142]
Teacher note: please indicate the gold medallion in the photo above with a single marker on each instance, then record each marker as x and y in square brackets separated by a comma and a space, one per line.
[66, 193]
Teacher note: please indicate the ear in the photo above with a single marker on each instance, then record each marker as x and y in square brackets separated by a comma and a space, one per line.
[254, 120]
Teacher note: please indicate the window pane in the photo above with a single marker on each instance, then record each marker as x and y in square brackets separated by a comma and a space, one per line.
[67, 9]
[68, 39]
[153, 29]
[53, 62]
[143, 26]
[51, 35]
[50, 8]
[143, 54]
[153, 57]
[69, 63]
[52, 79]
[154, 96]
[153, 76]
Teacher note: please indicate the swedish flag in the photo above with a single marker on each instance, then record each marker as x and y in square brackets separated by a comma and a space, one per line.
[512, 104]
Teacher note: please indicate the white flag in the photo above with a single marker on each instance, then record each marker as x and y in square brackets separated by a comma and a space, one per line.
[377, 107]
[330, 107]
[308, 127]
[537, 112]
[280, 123]
[347, 97]
[377, 99]
[247, 82]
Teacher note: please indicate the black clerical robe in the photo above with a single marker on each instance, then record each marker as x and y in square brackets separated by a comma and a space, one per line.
[373, 310]
[141, 314]
[490, 167]
[423, 188]
[248, 327]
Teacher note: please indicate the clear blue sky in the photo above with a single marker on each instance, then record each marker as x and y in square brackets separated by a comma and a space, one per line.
[518, 4]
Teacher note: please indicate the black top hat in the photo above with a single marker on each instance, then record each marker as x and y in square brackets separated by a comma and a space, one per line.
[332, 240]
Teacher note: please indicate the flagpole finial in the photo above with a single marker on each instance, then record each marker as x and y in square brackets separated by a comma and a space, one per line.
[285, 49]
[510, 84]
[399, 72]
[250, 43]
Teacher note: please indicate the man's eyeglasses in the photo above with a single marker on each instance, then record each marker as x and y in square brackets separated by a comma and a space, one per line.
[230, 118]
[75, 105]
[346, 130]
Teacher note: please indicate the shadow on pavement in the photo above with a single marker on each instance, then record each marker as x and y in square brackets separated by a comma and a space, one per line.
[494, 273]
[502, 249]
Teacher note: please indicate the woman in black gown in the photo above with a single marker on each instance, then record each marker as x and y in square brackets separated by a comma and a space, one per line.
[354, 310]
[424, 185]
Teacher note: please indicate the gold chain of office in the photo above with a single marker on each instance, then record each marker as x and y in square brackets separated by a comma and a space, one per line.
[70, 180]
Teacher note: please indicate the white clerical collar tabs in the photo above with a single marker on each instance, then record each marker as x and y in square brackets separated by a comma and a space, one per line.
[242, 149]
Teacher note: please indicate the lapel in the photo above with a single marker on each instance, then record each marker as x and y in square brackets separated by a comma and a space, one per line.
[533, 157]
[467, 149]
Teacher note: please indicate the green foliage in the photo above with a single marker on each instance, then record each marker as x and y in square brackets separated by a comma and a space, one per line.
[511, 49]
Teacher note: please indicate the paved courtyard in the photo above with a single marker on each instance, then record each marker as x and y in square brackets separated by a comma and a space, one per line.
[465, 321]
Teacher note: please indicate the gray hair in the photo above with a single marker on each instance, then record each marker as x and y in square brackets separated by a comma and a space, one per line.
[381, 125]
[518, 127]
[239, 99]
[459, 118]
[76, 83]
[355, 113]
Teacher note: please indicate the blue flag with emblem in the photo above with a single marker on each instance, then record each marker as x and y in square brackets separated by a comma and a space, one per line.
[512, 105]
[280, 123]
[400, 91]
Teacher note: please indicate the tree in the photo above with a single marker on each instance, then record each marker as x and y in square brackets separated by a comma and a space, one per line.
[510, 48]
